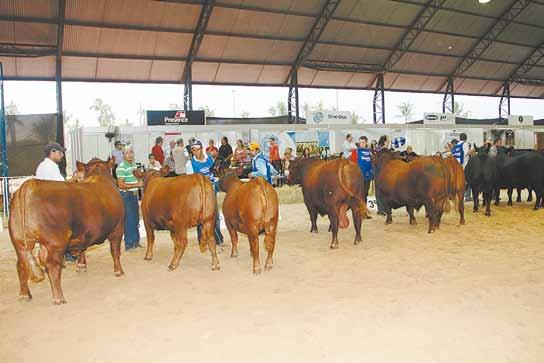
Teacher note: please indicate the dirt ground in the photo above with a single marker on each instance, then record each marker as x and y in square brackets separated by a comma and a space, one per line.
[471, 293]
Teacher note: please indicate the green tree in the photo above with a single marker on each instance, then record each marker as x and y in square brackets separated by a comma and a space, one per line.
[459, 110]
[272, 110]
[354, 117]
[306, 109]
[282, 108]
[209, 112]
[244, 114]
[104, 113]
[406, 110]
[12, 122]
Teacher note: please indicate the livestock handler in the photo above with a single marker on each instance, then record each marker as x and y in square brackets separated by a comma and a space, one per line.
[461, 152]
[200, 163]
[49, 170]
[128, 185]
[364, 159]
[261, 167]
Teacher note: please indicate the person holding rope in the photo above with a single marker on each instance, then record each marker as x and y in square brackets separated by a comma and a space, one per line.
[261, 167]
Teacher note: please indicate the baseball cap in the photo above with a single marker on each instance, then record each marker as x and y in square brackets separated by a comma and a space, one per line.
[254, 146]
[53, 147]
[196, 144]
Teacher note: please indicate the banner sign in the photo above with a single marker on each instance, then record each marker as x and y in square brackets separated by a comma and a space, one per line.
[438, 118]
[173, 117]
[329, 117]
[520, 120]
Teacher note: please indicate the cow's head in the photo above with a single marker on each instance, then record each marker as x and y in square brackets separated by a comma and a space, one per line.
[95, 167]
[297, 168]
[150, 174]
[228, 180]
[382, 157]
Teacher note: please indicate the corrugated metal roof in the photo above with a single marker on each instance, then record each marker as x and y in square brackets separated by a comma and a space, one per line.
[257, 41]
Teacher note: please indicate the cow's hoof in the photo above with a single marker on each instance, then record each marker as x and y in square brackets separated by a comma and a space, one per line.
[497, 204]
[535, 209]
[234, 254]
[357, 241]
[58, 301]
[216, 268]
[334, 246]
[388, 222]
[257, 271]
[462, 222]
[313, 230]
[475, 211]
[488, 214]
[81, 267]
[268, 267]
[148, 258]
[413, 223]
[510, 203]
[172, 267]
[26, 298]
[118, 273]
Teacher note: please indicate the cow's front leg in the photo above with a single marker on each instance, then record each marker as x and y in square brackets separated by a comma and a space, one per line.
[487, 197]
[208, 238]
[180, 243]
[81, 262]
[313, 220]
[150, 234]
[233, 239]
[357, 222]
[270, 244]
[510, 192]
[410, 211]
[475, 199]
[253, 237]
[333, 218]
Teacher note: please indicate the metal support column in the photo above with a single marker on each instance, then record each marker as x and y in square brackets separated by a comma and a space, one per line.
[504, 104]
[4, 148]
[378, 102]
[292, 99]
[58, 81]
[188, 88]
[448, 104]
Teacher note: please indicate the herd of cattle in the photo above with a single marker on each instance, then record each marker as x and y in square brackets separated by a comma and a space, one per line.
[73, 216]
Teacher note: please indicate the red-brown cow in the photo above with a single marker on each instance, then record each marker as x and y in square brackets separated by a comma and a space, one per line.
[331, 188]
[65, 216]
[177, 204]
[457, 186]
[423, 181]
[251, 208]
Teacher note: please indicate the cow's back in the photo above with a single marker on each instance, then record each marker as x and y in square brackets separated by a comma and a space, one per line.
[182, 201]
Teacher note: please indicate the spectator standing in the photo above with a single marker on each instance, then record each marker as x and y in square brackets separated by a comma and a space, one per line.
[349, 148]
[153, 164]
[383, 145]
[261, 167]
[180, 157]
[274, 154]
[240, 153]
[211, 147]
[225, 152]
[306, 153]
[158, 151]
[48, 169]
[461, 152]
[200, 163]
[128, 186]
[117, 155]
[172, 147]
[409, 153]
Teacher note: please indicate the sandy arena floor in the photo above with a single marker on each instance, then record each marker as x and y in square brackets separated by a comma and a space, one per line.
[464, 294]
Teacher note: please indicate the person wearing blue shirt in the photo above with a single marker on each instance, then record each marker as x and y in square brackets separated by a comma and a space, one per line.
[201, 163]
[261, 167]
[364, 159]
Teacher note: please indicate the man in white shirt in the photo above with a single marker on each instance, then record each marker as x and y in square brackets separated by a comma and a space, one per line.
[49, 168]
[348, 147]
[180, 157]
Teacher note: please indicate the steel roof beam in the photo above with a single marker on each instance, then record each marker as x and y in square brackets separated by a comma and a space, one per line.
[317, 29]
[489, 37]
[16, 50]
[58, 80]
[198, 36]
[532, 60]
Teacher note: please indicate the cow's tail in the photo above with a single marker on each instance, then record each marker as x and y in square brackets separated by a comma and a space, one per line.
[362, 205]
[31, 264]
[268, 214]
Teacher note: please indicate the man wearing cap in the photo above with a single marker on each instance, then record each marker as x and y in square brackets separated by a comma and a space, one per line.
[128, 186]
[201, 163]
[261, 167]
[49, 168]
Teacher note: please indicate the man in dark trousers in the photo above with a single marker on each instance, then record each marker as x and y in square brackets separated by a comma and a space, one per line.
[225, 152]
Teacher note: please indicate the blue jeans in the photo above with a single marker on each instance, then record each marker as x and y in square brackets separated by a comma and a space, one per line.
[132, 218]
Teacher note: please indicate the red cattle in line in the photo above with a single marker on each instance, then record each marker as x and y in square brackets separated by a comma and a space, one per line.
[421, 182]
[331, 188]
[177, 204]
[65, 217]
[252, 209]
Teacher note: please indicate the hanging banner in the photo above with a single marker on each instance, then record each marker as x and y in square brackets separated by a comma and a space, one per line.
[173, 117]
[430, 118]
[329, 117]
[520, 120]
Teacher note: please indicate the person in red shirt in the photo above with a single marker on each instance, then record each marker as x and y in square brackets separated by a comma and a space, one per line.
[274, 154]
[211, 149]
[157, 150]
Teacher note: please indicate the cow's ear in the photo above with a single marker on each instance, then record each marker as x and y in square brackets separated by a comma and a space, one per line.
[165, 170]
[80, 166]
[138, 174]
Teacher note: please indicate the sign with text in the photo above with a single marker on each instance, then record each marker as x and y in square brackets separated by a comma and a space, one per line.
[176, 118]
[432, 118]
[520, 120]
[329, 117]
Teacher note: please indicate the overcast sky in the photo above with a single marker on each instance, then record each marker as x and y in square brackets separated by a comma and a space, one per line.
[127, 99]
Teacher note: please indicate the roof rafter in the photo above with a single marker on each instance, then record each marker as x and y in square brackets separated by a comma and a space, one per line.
[519, 75]
[317, 29]
[204, 18]
[489, 37]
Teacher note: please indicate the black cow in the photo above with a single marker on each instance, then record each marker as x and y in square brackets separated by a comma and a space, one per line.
[481, 175]
[525, 170]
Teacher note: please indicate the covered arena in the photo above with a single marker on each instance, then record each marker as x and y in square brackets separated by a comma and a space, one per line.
[465, 293]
